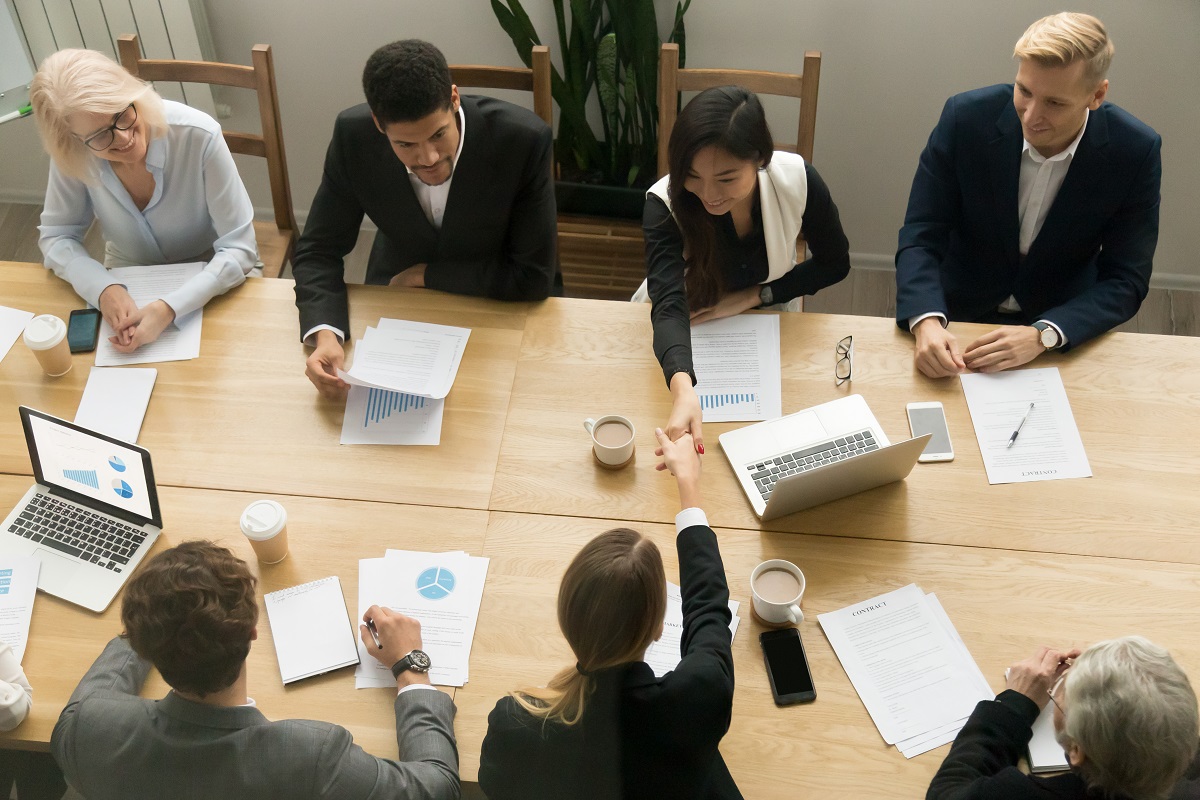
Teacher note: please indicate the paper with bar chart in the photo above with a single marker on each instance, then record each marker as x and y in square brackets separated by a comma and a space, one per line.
[736, 360]
[378, 416]
[413, 357]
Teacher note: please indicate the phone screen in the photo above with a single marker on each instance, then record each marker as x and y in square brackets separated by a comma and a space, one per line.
[83, 330]
[930, 420]
[787, 664]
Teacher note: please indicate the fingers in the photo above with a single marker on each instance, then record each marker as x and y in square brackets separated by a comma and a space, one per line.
[324, 376]
[698, 435]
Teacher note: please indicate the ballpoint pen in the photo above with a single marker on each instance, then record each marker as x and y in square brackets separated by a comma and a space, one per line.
[1013, 438]
[374, 633]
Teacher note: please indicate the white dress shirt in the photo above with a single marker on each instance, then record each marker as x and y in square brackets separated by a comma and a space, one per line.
[199, 212]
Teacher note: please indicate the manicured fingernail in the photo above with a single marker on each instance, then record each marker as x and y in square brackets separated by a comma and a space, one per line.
[700, 449]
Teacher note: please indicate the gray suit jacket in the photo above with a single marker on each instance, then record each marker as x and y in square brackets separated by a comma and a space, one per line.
[111, 743]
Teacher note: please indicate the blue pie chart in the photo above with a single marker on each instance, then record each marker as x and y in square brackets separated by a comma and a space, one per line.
[122, 488]
[116, 463]
[435, 583]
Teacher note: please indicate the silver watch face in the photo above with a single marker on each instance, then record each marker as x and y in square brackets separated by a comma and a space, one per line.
[419, 661]
[1049, 337]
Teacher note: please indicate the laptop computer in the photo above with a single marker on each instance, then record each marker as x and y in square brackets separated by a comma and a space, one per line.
[816, 455]
[90, 517]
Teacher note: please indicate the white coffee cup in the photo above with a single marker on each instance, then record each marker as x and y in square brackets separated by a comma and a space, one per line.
[264, 522]
[777, 587]
[46, 336]
[612, 440]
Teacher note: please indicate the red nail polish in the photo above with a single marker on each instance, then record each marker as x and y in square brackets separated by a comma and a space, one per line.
[700, 449]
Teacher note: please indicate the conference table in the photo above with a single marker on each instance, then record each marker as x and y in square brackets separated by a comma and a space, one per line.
[1015, 566]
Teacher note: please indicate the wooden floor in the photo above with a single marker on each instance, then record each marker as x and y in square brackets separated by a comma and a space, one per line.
[868, 292]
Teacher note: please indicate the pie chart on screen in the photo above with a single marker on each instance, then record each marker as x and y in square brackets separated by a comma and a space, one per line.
[122, 488]
[435, 583]
[116, 463]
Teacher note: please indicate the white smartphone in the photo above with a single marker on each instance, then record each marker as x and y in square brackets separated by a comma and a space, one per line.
[931, 418]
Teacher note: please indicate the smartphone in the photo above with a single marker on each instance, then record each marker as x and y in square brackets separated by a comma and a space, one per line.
[83, 330]
[931, 418]
[787, 667]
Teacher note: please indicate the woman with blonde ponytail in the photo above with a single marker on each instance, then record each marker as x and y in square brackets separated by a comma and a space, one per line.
[606, 727]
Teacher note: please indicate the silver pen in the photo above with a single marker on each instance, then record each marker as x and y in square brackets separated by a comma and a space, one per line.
[374, 633]
[1013, 438]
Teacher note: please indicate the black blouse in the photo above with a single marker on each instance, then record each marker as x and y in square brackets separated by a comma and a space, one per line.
[743, 264]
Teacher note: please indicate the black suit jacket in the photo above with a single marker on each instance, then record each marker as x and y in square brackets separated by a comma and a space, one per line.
[499, 233]
[662, 732]
[1087, 271]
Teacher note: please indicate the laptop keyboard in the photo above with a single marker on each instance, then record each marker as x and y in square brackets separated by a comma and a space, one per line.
[78, 532]
[766, 473]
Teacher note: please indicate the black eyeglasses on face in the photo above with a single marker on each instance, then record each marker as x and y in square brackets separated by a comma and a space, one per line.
[102, 139]
[844, 366]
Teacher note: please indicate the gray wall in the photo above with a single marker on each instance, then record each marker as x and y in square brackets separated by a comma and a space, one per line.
[888, 67]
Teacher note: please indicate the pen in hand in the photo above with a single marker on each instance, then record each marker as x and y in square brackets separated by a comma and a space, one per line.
[374, 633]
[1020, 425]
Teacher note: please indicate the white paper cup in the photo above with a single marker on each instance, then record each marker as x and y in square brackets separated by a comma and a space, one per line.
[264, 523]
[610, 450]
[775, 609]
[46, 336]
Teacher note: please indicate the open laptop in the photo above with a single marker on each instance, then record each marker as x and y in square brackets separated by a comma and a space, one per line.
[92, 514]
[816, 455]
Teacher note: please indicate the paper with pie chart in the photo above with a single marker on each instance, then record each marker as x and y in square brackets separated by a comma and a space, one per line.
[443, 591]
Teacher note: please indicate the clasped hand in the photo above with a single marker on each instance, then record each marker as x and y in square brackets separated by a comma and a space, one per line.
[133, 326]
[937, 354]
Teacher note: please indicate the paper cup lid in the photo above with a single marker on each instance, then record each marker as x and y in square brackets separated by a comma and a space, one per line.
[44, 331]
[262, 519]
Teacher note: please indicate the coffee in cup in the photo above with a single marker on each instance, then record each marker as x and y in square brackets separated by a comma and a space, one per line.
[777, 587]
[46, 336]
[612, 440]
[264, 522]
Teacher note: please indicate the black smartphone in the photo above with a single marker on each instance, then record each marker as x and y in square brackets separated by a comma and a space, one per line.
[83, 330]
[787, 667]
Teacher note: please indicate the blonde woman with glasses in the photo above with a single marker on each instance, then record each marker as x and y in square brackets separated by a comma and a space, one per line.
[158, 177]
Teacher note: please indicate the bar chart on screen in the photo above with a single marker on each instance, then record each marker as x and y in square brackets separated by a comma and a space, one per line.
[380, 416]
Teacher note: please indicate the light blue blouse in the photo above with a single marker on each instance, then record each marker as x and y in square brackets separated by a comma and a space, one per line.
[199, 207]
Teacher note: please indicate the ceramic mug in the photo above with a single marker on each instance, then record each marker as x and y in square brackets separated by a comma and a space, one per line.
[777, 587]
[612, 440]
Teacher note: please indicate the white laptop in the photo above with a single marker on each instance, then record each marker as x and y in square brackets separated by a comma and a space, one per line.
[816, 455]
[92, 515]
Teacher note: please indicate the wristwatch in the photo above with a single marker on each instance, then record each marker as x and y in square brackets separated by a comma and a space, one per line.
[1047, 334]
[765, 296]
[416, 660]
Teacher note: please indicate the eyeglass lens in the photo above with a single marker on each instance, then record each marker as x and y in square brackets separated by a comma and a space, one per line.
[122, 121]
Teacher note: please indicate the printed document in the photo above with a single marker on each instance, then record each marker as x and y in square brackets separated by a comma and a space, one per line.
[736, 360]
[416, 358]
[18, 587]
[380, 416]
[12, 325]
[180, 340]
[1048, 448]
[114, 401]
[665, 654]
[908, 670]
[311, 629]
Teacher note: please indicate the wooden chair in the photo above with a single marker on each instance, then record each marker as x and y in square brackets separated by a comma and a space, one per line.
[672, 80]
[535, 78]
[275, 241]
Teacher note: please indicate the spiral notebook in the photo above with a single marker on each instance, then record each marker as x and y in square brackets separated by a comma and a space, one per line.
[311, 629]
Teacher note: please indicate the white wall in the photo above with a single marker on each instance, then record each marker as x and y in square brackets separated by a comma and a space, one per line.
[888, 67]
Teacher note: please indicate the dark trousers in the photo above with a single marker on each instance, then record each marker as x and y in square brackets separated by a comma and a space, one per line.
[36, 775]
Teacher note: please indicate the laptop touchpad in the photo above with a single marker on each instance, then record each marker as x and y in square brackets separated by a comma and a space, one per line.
[57, 571]
[797, 429]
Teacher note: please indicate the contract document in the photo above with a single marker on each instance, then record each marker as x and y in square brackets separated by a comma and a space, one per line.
[665, 654]
[416, 358]
[1048, 447]
[736, 361]
[179, 341]
[915, 680]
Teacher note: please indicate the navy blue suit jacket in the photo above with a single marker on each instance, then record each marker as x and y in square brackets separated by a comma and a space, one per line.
[1087, 271]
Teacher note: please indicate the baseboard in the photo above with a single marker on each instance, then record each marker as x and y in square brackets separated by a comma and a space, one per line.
[28, 196]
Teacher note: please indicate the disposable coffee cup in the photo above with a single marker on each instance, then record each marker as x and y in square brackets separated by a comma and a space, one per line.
[777, 587]
[612, 440]
[46, 336]
[264, 522]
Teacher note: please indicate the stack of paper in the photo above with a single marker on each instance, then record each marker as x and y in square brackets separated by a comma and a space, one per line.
[402, 372]
[442, 591]
[12, 325]
[736, 361]
[181, 339]
[114, 401]
[909, 666]
[311, 629]
[664, 655]
[18, 586]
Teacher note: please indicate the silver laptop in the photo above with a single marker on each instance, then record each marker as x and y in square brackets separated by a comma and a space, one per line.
[816, 455]
[92, 515]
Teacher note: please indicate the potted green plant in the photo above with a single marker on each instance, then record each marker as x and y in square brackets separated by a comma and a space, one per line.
[611, 47]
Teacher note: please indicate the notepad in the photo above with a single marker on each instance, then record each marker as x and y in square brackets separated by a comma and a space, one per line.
[1045, 753]
[311, 629]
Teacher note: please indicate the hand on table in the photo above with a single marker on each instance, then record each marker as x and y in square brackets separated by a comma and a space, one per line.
[686, 416]
[681, 459]
[936, 351]
[1035, 676]
[414, 276]
[323, 363]
[143, 327]
[730, 305]
[118, 308]
[1004, 348]
[399, 635]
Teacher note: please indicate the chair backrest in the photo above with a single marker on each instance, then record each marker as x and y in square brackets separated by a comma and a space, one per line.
[672, 80]
[261, 78]
[535, 78]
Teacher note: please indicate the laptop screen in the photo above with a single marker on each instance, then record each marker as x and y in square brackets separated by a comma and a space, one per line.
[97, 467]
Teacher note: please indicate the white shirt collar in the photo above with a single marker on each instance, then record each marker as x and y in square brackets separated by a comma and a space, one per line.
[1038, 158]
[462, 137]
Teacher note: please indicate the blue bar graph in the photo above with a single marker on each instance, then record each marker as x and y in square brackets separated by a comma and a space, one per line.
[718, 400]
[381, 404]
[85, 476]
